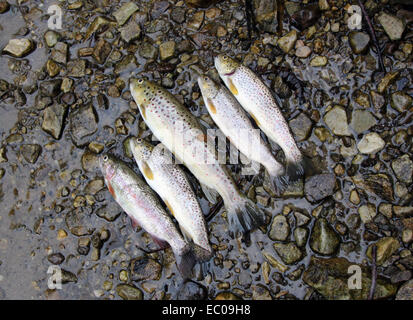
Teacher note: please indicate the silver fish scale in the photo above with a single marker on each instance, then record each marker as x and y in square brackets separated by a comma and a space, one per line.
[257, 99]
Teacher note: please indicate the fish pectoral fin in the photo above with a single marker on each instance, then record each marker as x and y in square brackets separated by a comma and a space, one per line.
[135, 223]
[162, 244]
[169, 207]
[210, 194]
[211, 106]
[147, 171]
[110, 188]
[143, 111]
[232, 87]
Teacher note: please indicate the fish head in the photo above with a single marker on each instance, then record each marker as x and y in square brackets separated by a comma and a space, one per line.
[225, 65]
[142, 90]
[108, 165]
[141, 149]
[208, 87]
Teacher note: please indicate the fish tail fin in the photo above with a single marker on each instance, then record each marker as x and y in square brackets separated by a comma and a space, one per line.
[279, 183]
[201, 254]
[296, 169]
[244, 216]
[185, 261]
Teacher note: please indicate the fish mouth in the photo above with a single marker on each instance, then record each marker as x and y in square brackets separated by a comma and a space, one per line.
[230, 73]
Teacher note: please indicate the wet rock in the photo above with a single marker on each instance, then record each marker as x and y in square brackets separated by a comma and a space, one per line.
[387, 80]
[318, 61]
[192, 291]
[178, 14]
[289, 253]
[303, 51]
[76, 68]
[56, 258]
[359, 41]
[287, 42]
[319, 186]
[167, 50]
[307, 16]
[403, 168]
[83, 123]
[379, 184]
[324, 240]
[201, 3]
[131, 31]
[330, 278]
[371, 143]
[323, 5]
[50, 88]
[301, 218]
[94, 186]
[148, 51]
[280, 229]
[52, 68]
[227, 296]
[301, 127]
[129, 292]
[109, 212]
[367, 212]
[196, 20]
[68, 276]
[144, 268]
[30, 152]
[97, 24]
[83, 246]
[78, 221]
[336, 120]
[266, 15]
[377, 100]
[4, 6]
[401, 276]
[403, 211]
[19, 47]
[90, 161]
[385, 248]
[51, 37]
[300, 236]
[260, 292]
[53, 120]
[124, 12]
[101, 51]
[406, 291]
[401, 101]
[392, 25]
[127, 64]
[362, 120]
[59, 53]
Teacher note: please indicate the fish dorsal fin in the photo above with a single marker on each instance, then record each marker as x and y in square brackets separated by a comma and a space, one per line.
[232, 87]
[209, 193]
[147, 171]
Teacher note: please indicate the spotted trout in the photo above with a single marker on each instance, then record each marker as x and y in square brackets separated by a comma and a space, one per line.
[179, 131]
[170, 182]
[144, 208]
[229, 116]
[256, 98]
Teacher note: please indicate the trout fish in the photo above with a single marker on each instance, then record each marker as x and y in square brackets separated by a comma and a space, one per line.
[256, 98]
[144, 208]
[179, 131]
[170, 182]
[229, 116]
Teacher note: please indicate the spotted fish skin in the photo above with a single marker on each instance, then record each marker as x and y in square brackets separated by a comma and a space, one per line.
[170, 182]
[180, 132]
[139, 201]
[256, 98]
[229, 116]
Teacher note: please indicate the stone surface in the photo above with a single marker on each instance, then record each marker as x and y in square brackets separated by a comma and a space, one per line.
[319, 186]
[386, 247]
[83, 123]
[280, 229]
[287, 42]
[392, 25]
[403, 168]
[379, 184]
[336, 120]
[53, 120]
[371, 143]
[129, 292]
[401, 101]
[301, 127]
[124, 12]
[30, 152]
[19, 47]
[145, 268]
[359, 41]
[406, 291]
[324, 240]
[362, 120]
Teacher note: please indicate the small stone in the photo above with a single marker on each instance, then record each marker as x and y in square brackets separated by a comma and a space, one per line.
[407, 235]
[53, 117]
[4, 6]
[378, 184]
[386, 210]
[89, 161]
[403, 168]
[227, 296]
[324, 240]
[124, 12]
[301, 127]
[319, 186]
[19, 47]
[127, 64]
[130, 31]
[260, 292]
[83, 246]
[52, 68]
[289, 253]
[401, 101]
[324, 5]
[280, 229]
[301, 219]
[359, 41]
[385, 248]
[287, 42]
[354, 197]
[387, 80]
[191, 290]
[101, 51]
[51, 37]
[301, 236]
[367, 212]
[377, 100]
[96, 147]
[148, 51]
[362, 120]
[50, 88]
[144, 268]
[77, 221]
[167, 50]
[76, 68]
[196, 20]
[83, 123]
[178, 14]
[61, 234]
[129, 292]
[96, 24]
[392, 25]
[319, 61]
[31, 152]
[56, 258]
[59, 53]
[336, 120]
[401, 211]
[303, 52]
[371, 143]
[406, 291]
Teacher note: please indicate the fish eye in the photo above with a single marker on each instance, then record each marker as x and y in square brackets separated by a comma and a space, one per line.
[105, 158]
[140, 81]
[206, 78]
[139, 140]
[224, 57]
